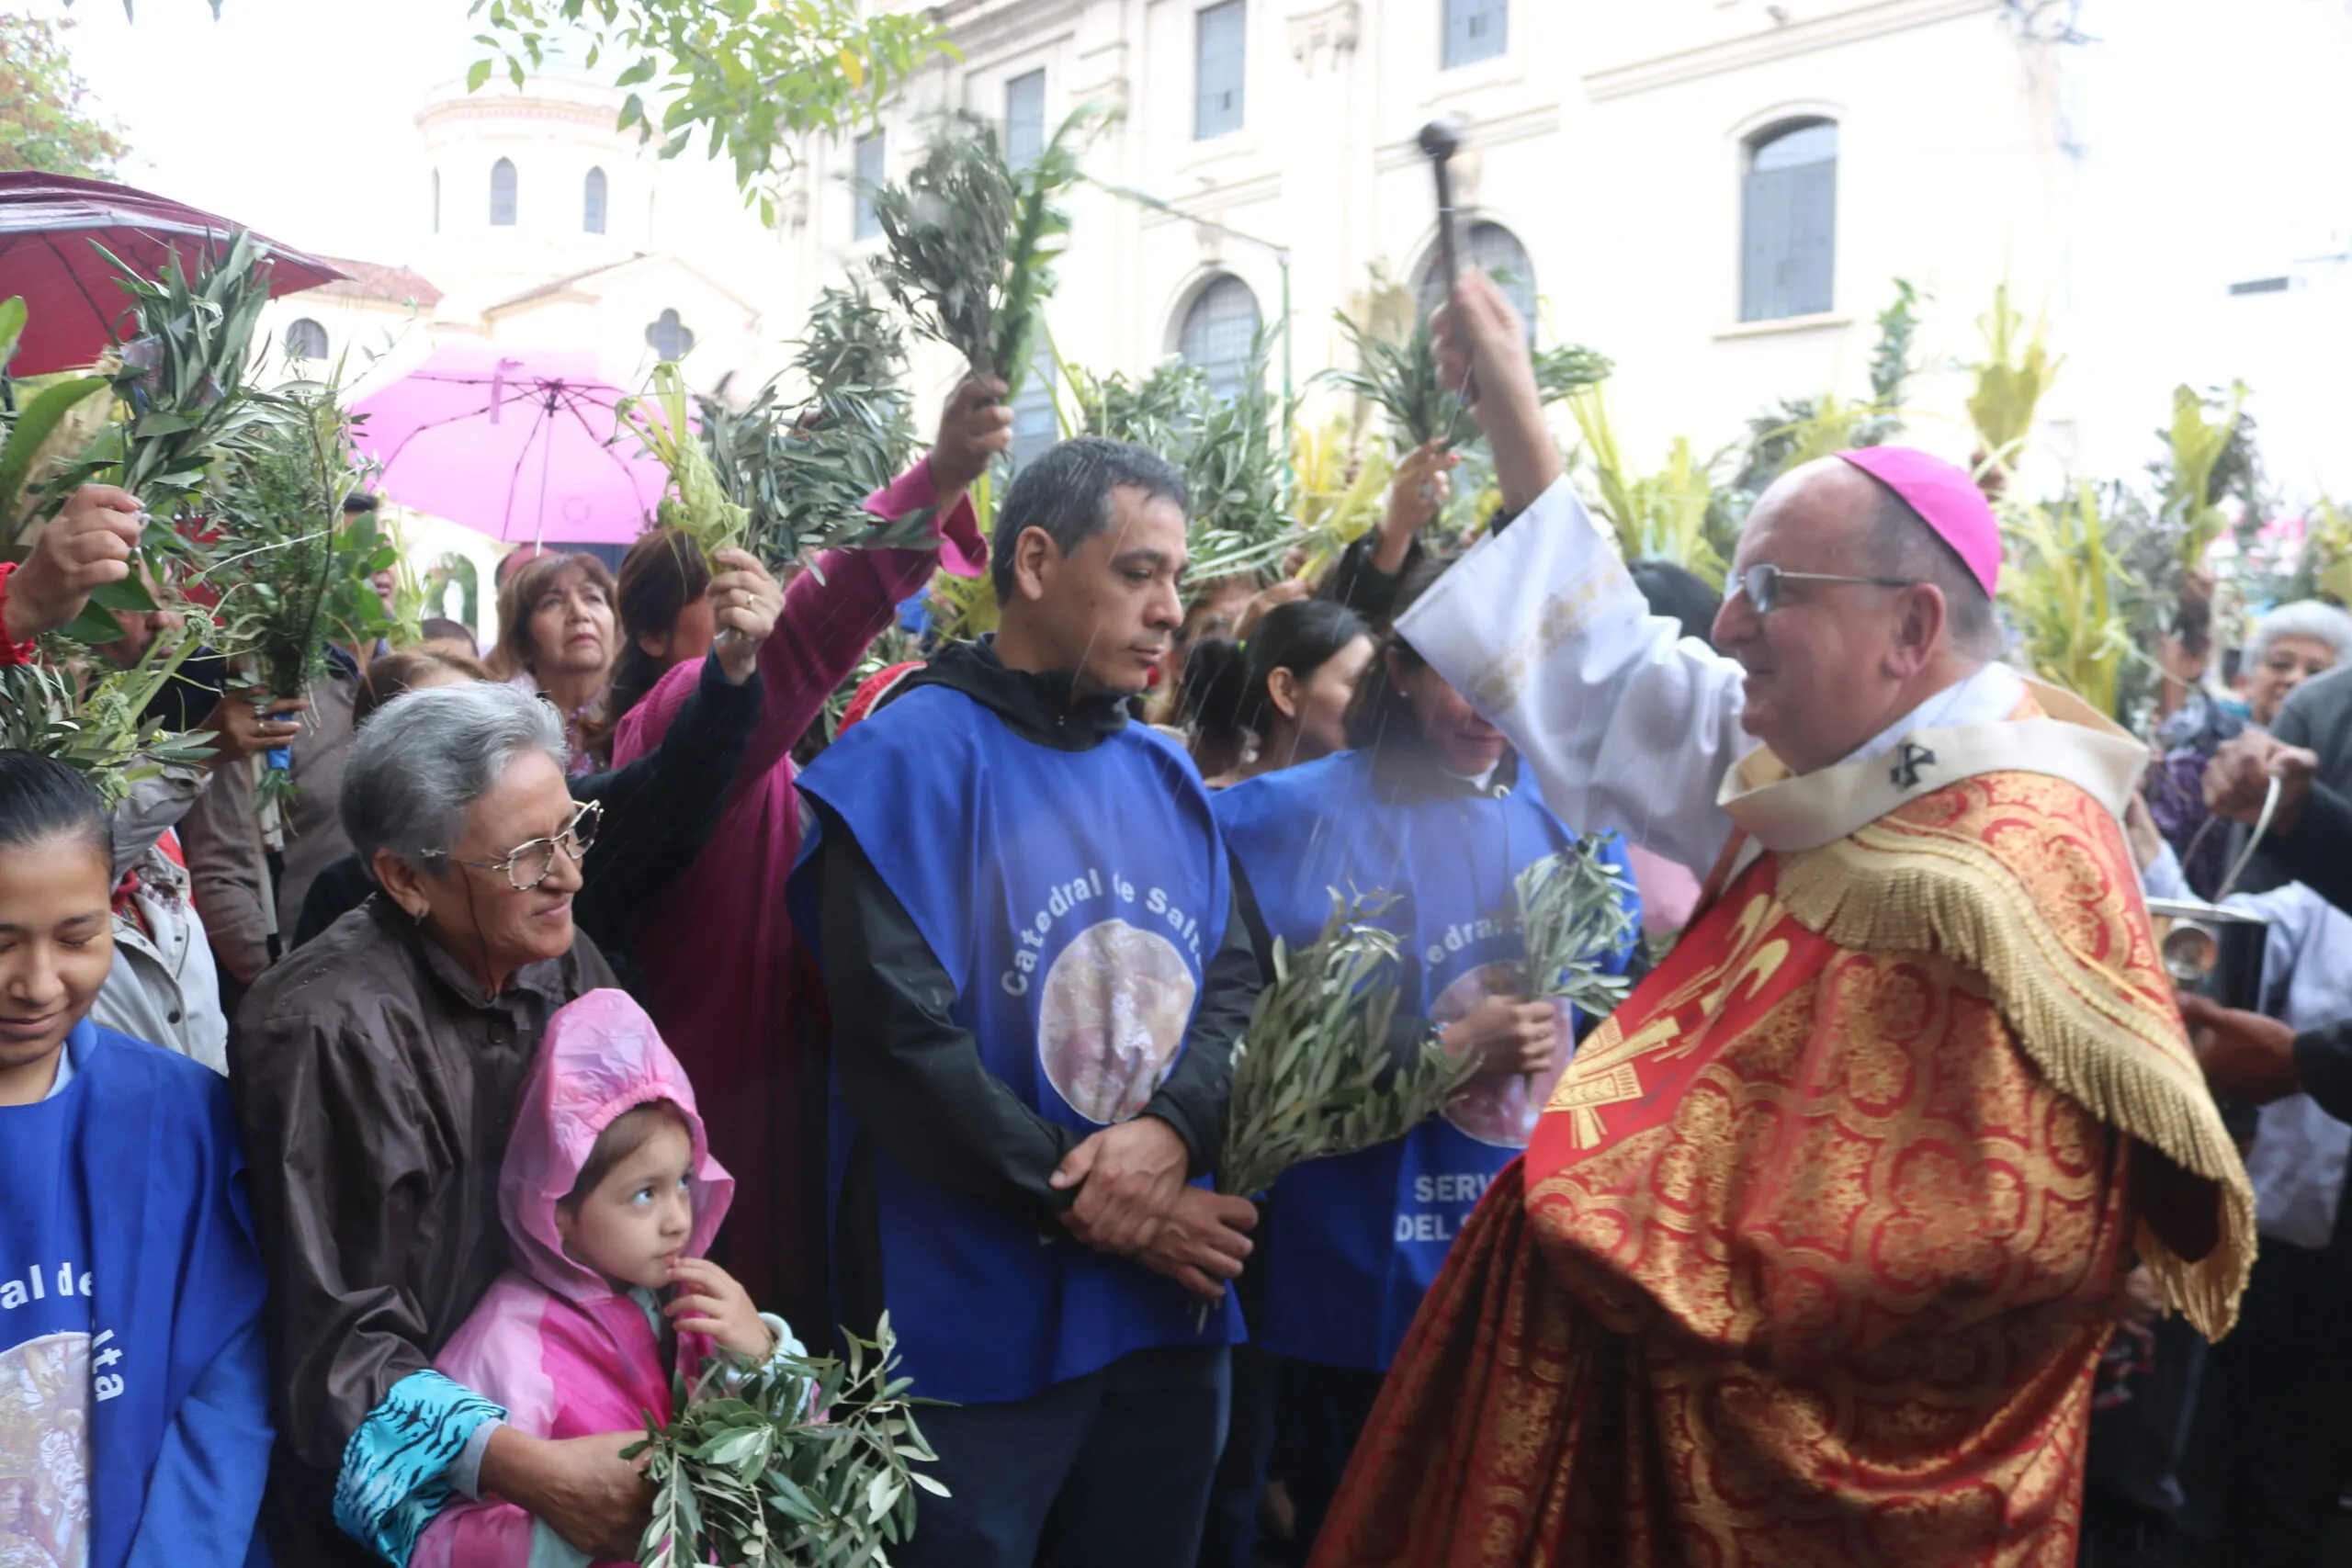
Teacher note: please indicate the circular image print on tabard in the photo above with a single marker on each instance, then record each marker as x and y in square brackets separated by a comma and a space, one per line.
[44, 1452]
[1112, 1017]
[1498, 1110]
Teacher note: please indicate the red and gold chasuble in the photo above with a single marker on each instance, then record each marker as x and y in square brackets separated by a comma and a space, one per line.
[1816, 1246]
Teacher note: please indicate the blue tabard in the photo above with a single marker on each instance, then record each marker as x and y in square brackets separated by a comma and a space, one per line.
[1074, 899]
[128, 1265]
[1352, 1244]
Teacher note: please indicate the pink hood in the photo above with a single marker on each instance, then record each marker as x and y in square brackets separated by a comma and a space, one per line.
[601, 1057]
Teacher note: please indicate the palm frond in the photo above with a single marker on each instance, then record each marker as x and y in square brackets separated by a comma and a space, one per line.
[970, 241]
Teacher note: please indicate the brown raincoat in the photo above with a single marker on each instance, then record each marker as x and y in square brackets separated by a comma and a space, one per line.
[376, 1087]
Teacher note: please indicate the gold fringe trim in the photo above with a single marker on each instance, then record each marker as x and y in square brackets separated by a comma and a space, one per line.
[1902, 885]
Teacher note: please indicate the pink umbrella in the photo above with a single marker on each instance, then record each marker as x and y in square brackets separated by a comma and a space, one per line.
[518, 447]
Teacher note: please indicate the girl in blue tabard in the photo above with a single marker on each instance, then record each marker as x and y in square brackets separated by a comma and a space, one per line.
[1431, 808]
[134, 1406]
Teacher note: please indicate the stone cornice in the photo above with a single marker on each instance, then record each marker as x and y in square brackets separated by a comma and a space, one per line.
[1523, 126]
[1778, 44]
[1215, 202]
[983, 28]
[602, 117]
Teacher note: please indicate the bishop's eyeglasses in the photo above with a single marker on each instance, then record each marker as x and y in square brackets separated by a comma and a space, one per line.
[1761, 583]
[528, 864]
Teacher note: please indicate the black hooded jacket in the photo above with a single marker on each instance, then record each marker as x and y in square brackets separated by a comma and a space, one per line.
[912, 1076]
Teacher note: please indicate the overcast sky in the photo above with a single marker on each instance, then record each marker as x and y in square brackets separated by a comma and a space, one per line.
[289, 116]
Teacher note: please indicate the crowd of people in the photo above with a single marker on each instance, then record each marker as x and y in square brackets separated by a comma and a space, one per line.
[606, 1007]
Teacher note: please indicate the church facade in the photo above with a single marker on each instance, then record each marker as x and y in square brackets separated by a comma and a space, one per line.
[1719, 194]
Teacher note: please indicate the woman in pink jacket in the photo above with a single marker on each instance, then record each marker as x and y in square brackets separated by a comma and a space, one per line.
[610, 1199]
[716, 947]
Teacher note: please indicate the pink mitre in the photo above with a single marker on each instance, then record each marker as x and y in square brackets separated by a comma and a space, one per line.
[1946, 497]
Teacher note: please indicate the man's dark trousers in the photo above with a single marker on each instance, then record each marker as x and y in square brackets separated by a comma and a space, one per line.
[1107, 1470]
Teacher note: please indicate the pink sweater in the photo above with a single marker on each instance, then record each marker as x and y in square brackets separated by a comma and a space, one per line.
[716, 947]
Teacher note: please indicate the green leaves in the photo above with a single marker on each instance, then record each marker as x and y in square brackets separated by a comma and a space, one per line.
[1238, 468]
[970, 241]
[1660, 516]
[91, 716]
[797, 1461]
[1575, 917]
[802, 475]
[2195, 446]
[1312, 1073]
[45, 427]
[852, 344]
[12, 327]
[2060, 586]
[700, 507]
[1234, 451]
[47, 120]
[801, 471]
[751, 78]
[293, 571]
[1401, 378]
[182, 386]
[2010, 380]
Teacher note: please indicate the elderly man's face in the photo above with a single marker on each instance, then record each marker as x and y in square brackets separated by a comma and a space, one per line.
[478, 914]
[1826, 666]
[2285, 664]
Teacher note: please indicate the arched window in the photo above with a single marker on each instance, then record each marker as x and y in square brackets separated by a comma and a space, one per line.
[1788, 234]
[1495, 251]
[436, 201]
[671, 337]
[305, 339]
[592, 203]
[502, 194]
[1220, 329]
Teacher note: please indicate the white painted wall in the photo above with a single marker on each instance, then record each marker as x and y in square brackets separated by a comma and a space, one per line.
[2104, 182]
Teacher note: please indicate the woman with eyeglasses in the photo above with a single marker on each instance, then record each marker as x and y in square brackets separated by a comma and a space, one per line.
[376, 1072]
[655, 814]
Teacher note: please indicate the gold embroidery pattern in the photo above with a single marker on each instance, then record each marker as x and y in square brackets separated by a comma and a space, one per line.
[2024, 880]
[1603, 1071]
[1864, 1259]
[1839, 1301]
[1564, 615]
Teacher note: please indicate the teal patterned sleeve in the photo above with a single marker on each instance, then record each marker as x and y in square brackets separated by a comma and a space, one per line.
[394, 1476]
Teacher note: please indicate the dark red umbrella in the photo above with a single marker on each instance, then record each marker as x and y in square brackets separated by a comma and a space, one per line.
[73, 306]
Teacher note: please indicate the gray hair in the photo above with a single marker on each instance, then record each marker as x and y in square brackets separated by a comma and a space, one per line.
[2304, 617]
[427, 756]
[1066, 491]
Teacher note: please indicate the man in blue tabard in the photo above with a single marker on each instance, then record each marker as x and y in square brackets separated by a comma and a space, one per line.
[1024, 917]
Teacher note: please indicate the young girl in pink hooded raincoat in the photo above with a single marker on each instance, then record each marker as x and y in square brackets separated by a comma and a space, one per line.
[569, 1339]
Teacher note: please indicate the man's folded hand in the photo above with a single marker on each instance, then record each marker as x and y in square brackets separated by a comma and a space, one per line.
[1203, 1242]
[1128, 1179]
